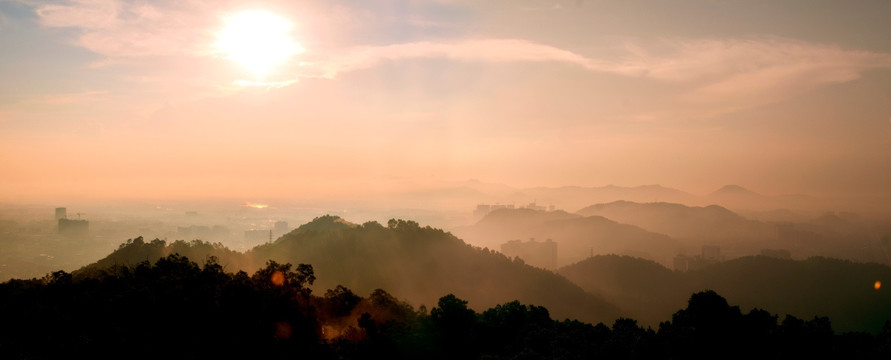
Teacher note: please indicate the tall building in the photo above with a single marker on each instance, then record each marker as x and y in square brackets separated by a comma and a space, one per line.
[710, 255]
[281, 228]
[61, 213]
[257, 236]
[484, 209]
[73, 227]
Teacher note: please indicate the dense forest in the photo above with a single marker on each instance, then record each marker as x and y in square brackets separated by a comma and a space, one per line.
[175, 308]
[843, 290]
[415, 263]
[420, 264]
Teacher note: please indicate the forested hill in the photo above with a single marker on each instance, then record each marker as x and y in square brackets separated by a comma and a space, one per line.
[421, 263]
[844, 291]
[135, 251]
[416, 263]
[176, 309]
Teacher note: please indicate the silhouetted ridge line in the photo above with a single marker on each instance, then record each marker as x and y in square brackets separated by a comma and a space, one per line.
[842, 290]
[410, 261]
[175, 308]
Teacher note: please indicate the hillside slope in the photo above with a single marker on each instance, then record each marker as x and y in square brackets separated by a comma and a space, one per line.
[842, 290]
[576, 236]
[420, 264]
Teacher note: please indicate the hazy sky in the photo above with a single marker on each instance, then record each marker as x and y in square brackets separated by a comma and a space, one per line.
[110, 98]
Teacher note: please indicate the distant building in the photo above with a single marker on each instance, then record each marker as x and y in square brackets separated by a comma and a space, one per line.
[536, 207]
[681, 262]
[202, 232]
[73, 227]
[281, 228]
[257, 235]
[481, 210]
[485, 209]
[61, 213]
[193, 232]
[219, 232]
[539, 254]
[709, 255]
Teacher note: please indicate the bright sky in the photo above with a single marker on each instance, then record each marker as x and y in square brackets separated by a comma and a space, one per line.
[110, 98]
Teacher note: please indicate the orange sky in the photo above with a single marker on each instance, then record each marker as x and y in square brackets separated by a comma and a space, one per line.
[114, 99]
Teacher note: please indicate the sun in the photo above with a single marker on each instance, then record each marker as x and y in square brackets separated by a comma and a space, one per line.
[258, 40]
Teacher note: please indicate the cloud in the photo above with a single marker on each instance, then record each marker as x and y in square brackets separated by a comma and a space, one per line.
[116, 28]
[676, 61]
[69, 98]
[86, 14]
[698, 59]
[477, 50]
[728, 74]
[736, 74]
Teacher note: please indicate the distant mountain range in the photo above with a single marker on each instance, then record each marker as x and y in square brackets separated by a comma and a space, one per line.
[659, 231]
[737, 197]
[575, 197]
[572, 198]
[421, 264]
[711, 223]
[576, 236]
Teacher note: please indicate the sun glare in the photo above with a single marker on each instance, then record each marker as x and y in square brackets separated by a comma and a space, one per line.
[258, 40]
[255, 206]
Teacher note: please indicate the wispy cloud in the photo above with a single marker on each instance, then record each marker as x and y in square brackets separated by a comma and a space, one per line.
[729, 74]
[735, 74]
[732, 73]
[68, 98]
[117, 28]
[477, 50]
[687, 60]
[85, 14]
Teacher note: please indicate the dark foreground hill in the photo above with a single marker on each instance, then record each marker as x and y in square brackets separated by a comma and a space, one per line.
[845, 291]
[175, 309]
[421, 263]
[412, 262]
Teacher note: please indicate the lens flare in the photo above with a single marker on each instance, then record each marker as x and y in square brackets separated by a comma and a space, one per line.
[277, 278]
